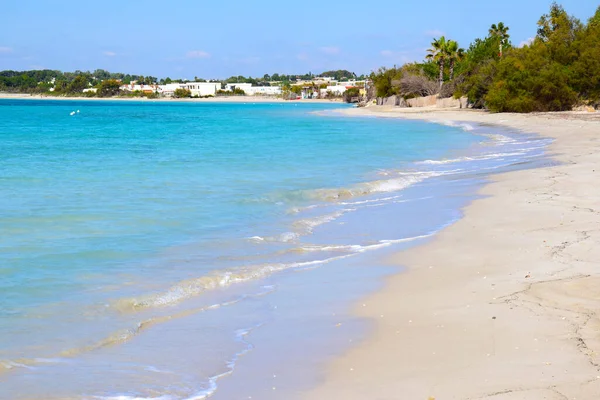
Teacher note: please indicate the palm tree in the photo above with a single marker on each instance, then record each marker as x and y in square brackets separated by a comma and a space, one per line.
[439, 54]
[501, 32]
[454, 54]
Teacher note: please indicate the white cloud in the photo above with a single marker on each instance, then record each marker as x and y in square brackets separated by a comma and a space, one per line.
[331, 50]
[526, 42]
[5, 50]
[387, 53]
[109, 53]
[197, 54]
[434, 33]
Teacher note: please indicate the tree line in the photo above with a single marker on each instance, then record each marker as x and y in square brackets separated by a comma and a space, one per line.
[557, 70]
[73, 83]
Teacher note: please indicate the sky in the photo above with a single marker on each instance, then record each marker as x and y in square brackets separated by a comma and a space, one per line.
[218, 39]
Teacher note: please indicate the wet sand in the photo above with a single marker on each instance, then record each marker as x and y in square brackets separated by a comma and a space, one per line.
[503, 304]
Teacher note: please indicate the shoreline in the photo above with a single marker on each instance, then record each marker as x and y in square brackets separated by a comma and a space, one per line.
[220, 99]
[502, 303]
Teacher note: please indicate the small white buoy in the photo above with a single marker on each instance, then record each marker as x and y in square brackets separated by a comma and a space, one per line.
[72, 113]
[77, 111]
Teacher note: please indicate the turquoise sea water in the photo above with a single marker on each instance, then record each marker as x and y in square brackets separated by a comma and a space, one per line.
[145, 243]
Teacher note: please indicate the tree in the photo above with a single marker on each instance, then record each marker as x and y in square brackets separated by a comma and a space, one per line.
[454, 54]
[500, 32]
[386, 81]
[109, 87]
[78, 84]
[60, 86]
[477, 70]
[101, 74]
[339, 75]
[585, 70]
[594, 22]
[558, 31]
[528, 80]
[438, 53]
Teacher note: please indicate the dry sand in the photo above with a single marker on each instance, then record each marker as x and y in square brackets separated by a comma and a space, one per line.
[503, 304]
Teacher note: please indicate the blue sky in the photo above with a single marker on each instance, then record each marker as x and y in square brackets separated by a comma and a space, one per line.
[218, 39]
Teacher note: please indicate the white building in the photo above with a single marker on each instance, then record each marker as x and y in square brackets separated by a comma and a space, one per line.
[250, 90]
[132, 87]
[195, 88]
[341, 87]
[168, 89]
[263, 91]
[244, 86]
[201, 88]
[337, 89]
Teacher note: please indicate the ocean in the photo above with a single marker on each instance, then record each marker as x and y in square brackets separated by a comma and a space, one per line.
[189, 250]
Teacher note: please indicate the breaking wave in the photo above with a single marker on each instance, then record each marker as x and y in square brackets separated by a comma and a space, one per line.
[401, 181]
[217, 280]
[463, 125]
[474, 158]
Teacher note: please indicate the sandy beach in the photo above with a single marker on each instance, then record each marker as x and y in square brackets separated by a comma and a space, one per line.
[503, 304]
[220, 99]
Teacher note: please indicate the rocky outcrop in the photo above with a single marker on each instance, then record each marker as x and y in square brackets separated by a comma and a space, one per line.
[395, 101]
[429, 101]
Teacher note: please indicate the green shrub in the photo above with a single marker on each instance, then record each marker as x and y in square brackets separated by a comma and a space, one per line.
[180, 93]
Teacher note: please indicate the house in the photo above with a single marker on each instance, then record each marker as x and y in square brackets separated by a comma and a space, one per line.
[195, 88]
[263, 91]
[201, 88]
[230, 87]
[250, 90]
[341, 87]
[338, 90]
[169, 89]
[133, 87]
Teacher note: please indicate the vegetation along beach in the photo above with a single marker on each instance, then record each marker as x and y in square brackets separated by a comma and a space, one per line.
[417, 217]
